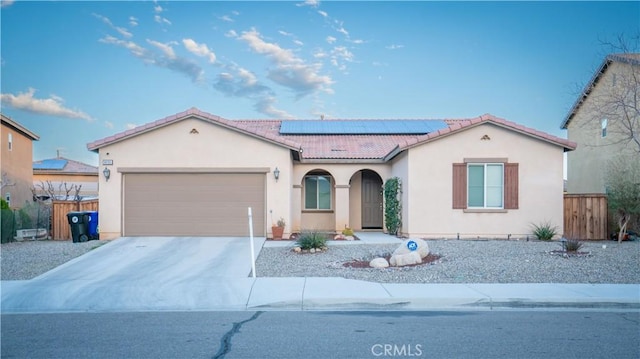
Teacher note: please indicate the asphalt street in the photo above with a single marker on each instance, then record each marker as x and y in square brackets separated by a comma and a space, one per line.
[323, 334]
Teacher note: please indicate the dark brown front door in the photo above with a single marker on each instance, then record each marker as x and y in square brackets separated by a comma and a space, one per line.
[371, 200]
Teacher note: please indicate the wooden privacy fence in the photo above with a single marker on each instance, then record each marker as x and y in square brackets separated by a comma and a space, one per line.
[585, 216]
[59, 223]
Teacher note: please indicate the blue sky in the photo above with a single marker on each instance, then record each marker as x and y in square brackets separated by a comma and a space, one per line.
[74, 72]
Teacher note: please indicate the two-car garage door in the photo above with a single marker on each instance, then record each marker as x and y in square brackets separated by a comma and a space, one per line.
[193, 204]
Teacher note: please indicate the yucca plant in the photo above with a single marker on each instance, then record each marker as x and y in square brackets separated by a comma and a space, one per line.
[544, 231]
[572, 245]
[312, 240]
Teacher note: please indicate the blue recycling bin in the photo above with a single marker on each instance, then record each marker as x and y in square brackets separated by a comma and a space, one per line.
[93, 225]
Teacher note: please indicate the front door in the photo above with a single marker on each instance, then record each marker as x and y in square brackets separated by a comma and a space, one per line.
[371, 200]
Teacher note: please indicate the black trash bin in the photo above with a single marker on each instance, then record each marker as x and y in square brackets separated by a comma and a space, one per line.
[79, 222]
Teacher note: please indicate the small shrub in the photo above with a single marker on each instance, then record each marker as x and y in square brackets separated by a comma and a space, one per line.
[347, 232]
[281, 222]
[572, 245]
[544, 231]
[312, 239]
[4, 204]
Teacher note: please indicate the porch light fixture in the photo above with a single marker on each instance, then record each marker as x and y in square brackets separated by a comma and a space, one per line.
[276, 174]
[107, 173]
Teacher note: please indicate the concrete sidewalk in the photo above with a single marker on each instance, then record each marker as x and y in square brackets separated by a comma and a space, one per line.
[195, 288]
[309, 294]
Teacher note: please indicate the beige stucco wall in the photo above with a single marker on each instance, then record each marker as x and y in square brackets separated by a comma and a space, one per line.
[173, 146]
[18, 166]
[427, 185]
[587, 165]
[346, 195]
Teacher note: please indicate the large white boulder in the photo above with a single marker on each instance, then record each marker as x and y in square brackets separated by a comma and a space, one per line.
[407, 259]
[421, 247]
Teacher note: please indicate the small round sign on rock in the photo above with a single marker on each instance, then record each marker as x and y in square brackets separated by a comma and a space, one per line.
[412, 245]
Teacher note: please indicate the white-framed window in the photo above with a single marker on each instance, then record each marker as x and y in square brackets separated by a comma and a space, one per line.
[317, 192]
[485, 185]
[603, 126]
[10, 141]
[7, 197]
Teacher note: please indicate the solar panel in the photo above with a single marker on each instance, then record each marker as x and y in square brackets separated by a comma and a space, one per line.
[52, 164]
[360, 127]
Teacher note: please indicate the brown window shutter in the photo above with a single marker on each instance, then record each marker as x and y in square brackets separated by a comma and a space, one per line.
[459, 186]
[510, 186]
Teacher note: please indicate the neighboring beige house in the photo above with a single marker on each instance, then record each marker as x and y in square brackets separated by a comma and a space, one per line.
[64, 174]
[17, 154]
[196, 174]
[600, 124]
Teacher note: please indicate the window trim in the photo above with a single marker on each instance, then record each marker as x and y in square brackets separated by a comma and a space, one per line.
[304, 196]
[10, 141]
[485, 186]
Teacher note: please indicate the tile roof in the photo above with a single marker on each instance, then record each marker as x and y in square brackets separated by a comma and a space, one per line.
[626, 58]
[335, 147]
[61, 165]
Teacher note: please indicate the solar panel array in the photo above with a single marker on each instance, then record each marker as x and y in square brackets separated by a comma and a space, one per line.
[51, 164]
[360, 127]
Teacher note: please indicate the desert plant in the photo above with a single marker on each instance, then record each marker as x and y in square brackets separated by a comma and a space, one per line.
[572, 245]
[311, 239]
[281, 222]
[347, 232]
[544, 231]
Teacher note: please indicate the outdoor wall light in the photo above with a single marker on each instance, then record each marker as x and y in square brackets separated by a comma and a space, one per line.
[276, 174]
[107, 173]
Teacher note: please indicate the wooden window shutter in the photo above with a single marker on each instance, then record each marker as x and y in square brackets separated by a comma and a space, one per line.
[459, 186]
[510, 186]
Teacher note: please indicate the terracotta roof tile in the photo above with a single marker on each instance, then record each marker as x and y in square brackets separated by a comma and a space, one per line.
[335, 147]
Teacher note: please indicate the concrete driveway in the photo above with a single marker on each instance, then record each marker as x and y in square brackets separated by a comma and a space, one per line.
[143, 273]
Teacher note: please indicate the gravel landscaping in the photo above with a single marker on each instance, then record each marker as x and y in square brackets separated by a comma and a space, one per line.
[466, 261]
[461, 261]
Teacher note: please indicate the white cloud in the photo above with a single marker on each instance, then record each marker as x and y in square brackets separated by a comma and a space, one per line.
[199, 49]
[169, 60]
[108, 124]
[312, 3]
[357, 41]
[331, 39]
[342, 30]
[323, 13]
[298, 42]
[121, 30]
[165, 48]
[131, 126]
[284, 33]
[290, 71]
[231, 33]
[6, 3]
[161, 20]
[226, 18]
[133, 21]
[52, 106]
[394, 47]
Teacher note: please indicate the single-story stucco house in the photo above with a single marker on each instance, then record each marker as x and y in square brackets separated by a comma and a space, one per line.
[196, 174]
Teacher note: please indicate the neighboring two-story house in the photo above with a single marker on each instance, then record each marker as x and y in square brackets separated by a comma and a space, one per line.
[16, 163]
[605, 123]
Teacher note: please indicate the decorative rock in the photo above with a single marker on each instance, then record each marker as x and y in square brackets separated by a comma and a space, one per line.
[422, 249]
[297, 249]
[312, 250]
[378, 263]
[399, 260]
[349, 238]
[339, 237]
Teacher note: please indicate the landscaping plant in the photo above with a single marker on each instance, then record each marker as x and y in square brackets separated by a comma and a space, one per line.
[544, 231]
[572, 245]
[392, 205]
[312, 240]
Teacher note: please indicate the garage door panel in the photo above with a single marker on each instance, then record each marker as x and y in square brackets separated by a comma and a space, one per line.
[193, 204]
